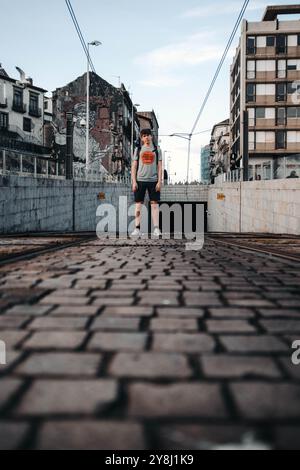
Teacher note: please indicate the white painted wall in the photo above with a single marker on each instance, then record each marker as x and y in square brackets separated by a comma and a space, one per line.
[16, 119]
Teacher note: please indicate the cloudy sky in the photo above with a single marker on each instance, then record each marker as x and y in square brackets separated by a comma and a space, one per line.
[165, 51]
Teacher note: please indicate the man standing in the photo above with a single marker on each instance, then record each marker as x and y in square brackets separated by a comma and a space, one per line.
[147, 176]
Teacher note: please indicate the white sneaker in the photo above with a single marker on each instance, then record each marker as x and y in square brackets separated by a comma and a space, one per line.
[136, 233]
[156, 232]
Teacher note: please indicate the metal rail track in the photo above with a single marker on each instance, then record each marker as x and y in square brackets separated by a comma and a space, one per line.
[233, 241]
[44, 249]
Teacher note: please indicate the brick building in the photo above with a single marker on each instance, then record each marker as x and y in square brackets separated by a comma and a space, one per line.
[148, 120]
[110, 122]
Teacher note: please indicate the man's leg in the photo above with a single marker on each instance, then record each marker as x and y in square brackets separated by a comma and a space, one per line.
[138, 214]
[155, 213]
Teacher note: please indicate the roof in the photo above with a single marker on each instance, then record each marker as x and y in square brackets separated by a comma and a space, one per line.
[273, 11]
[220, 124]
[3, 72]
[32, 87]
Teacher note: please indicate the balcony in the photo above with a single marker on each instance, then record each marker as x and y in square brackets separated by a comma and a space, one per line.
[19, 108]
[3, 103]
[35, 112]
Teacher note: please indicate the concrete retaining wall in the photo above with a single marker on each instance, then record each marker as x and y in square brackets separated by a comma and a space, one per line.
[255, 206]
[180, 193]
[37, 204]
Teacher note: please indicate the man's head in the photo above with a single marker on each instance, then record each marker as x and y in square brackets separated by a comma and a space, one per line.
[146, 136]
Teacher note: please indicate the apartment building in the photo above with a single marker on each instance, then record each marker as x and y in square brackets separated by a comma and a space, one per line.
[265, 83]
[205, 164]
[21, 110]
[219, 149]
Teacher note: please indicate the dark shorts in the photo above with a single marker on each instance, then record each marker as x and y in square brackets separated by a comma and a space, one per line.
[139, 195]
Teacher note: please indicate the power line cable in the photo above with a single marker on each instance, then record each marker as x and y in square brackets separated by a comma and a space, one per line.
[238, 21]
[82, 40]
[80, 35]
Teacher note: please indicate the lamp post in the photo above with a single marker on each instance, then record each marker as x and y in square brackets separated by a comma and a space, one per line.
[186, 136]
[132, 127]
[87, 157]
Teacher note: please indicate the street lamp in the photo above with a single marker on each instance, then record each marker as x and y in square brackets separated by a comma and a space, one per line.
[186, 136]
[87, 159]
[132, 127]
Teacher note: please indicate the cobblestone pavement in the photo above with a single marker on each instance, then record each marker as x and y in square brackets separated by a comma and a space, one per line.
[149, 346]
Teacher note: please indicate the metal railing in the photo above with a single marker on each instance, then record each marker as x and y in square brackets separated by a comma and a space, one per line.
[36, 166]
[43, 166]
[97, 174]
[278, 168]
[234, 176]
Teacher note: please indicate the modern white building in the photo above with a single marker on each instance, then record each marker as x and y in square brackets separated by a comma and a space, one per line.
[265, 88]
[21, 109]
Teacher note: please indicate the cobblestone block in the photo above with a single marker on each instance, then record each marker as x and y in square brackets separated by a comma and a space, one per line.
[180, 400]
[117, 342]
[150, 365]
[55, 340]
[256, 344]
[183, 342]
[225, 366]
[66, 397]
[60, 364]
[91, 435]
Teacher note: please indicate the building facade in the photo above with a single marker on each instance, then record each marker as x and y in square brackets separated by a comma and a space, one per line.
[111, 121]
[21, 111]
[264, 103]
[205, 164]
[148, 120]
[219, 149]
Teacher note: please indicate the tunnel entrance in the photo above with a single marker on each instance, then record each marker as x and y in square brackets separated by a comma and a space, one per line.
[183, 208]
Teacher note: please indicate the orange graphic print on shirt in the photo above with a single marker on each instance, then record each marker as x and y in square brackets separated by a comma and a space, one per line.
[148, 158]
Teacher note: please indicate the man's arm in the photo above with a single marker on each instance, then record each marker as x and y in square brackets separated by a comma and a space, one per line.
[159, 171]
[133, 171]
[134, 167]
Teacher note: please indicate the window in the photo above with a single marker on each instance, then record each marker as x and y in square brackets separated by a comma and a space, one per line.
[26, 124]
[270, 113]
[292, 41]
[293, 137]
[18, 97]
[281, 92]
[298, 40]
[251, 45]
[45, 105]
[281, 44]
[3, 120]
[281, 69]
[251, 69]
[270, 41]
[260, 113]
[251, 115]
[280, 140]
[250, 92]
[292, 65]
[293, 87]
[261, 41]
[281, 116]
[266, 66]
[292, 113]
[251, 142]
[33, 101]
[264, 137]
[265, 89]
